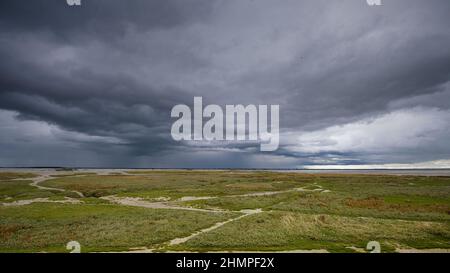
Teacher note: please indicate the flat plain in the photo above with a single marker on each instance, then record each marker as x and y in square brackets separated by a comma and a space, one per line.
[222, 210]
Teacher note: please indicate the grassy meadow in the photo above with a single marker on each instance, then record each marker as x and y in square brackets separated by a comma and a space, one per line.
[248, 210]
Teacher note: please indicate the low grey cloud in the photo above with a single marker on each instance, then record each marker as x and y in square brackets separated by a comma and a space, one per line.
[101, 80]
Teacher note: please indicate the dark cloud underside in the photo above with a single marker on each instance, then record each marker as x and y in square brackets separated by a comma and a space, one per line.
[355, 84]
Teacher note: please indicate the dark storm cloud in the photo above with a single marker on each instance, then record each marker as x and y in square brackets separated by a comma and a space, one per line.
[83, 97]
[105, 76]
[99, 18]
[358, 59]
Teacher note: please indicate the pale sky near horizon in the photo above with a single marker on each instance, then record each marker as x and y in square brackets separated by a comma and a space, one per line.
[93, 86]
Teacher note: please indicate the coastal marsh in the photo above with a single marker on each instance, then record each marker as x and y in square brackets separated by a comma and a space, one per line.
[222, 211]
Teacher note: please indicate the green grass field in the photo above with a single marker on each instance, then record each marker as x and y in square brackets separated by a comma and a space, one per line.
[289, 211]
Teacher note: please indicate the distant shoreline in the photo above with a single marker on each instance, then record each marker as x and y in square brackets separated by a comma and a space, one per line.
[420, 172]
[269, 169]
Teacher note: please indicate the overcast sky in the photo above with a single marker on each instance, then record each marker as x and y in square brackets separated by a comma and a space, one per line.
[93, 86]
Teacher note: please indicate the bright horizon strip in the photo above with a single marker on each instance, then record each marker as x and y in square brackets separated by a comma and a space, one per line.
[438, 164]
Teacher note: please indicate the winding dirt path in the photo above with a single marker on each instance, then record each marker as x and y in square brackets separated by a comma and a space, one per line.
[139, 202]
[46, 177]
[253, 194]
[177, 241]
[41, 200]
[168, 204]
[35, 183]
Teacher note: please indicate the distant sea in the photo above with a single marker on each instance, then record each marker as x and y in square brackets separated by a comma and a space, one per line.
[424, 172]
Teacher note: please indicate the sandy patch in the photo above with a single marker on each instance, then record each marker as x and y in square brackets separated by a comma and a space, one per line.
[194, 198]
[41, 200]
[139, 202]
